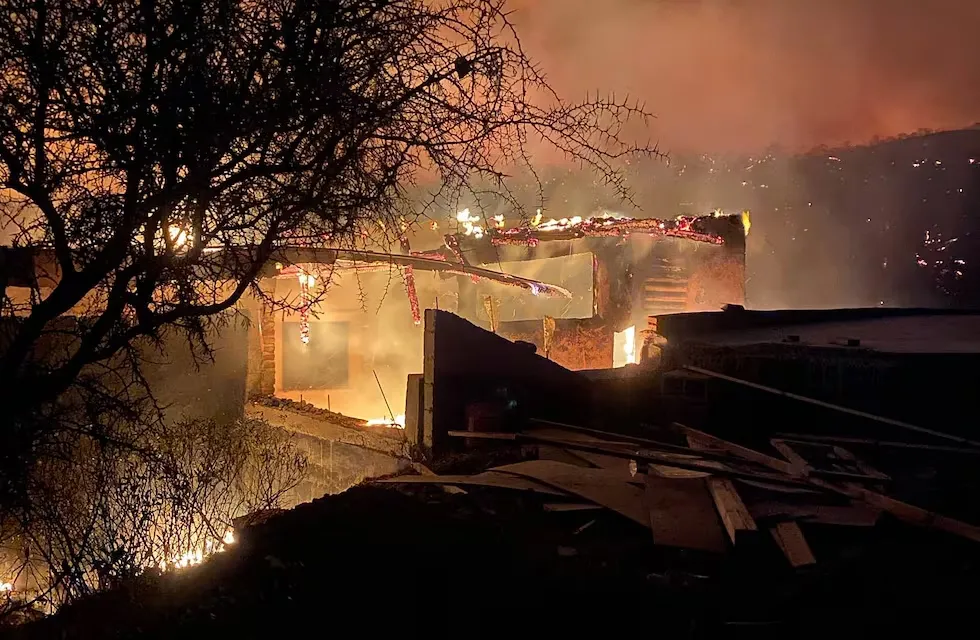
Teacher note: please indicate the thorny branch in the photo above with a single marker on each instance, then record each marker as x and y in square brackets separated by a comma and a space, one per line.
[155, 156]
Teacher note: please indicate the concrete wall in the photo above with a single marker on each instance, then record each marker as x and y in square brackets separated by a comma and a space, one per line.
[341, 452]
[335, 466]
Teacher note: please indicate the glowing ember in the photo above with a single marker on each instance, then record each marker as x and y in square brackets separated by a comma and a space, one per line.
[408, 275]
[606, 225]
[306, 282]
[398, 423]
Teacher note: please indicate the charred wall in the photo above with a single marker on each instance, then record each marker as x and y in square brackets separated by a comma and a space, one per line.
[576, 344]
[466, 366]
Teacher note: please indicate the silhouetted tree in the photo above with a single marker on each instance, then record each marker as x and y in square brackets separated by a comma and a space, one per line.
[154, 156]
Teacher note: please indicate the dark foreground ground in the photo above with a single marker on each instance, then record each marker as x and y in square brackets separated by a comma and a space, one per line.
[421, 561]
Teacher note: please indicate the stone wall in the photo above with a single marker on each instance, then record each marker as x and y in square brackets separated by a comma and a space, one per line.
[335, 466]
[341, 451]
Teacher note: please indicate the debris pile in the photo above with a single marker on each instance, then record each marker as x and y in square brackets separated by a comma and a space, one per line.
[804, 528]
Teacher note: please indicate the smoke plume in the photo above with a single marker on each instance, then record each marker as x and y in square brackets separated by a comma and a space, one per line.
[741, 75]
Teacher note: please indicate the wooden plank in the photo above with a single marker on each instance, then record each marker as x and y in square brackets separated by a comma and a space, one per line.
[644, 458]
[666, 471]
[733, 512]
[866, 471]
[423, 470]
[790, 540]
[917, 515]
[769, 486]
[865, 468]
[682, 514]
[602, 487]
[855, 515]
[561, 507]
[805, 438]
[598, 460]
[790, 454]
[699, 439]
[486, 479]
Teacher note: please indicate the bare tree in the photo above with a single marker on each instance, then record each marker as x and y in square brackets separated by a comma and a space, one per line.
[155, 155]
[105, 514]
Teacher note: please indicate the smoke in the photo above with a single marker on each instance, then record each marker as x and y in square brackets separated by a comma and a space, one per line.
[742, 75]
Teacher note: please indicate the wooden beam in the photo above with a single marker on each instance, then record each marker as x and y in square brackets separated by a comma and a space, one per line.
[865, 468]
[805, 438]
[734, 515]
[789, 538]
[682, 514]
[594, 485]
[790, 454]
[868, 473]
[707, 440]
[643, 459]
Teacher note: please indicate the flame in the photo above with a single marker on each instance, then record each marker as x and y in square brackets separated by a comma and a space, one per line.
[399, 422]
[625, 347]
[629, 345]
[746, 221]
[467, 219]
[197, 556]
[537, 219]
[6, 587]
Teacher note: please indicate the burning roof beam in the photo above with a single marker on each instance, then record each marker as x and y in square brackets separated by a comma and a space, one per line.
[306, 255]
[697, 228]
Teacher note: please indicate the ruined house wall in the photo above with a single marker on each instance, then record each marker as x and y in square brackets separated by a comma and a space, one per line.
[577, 344]
[341, 453]
[716, 280]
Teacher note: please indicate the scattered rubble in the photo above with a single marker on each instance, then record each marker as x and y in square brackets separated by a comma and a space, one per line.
[739, 519]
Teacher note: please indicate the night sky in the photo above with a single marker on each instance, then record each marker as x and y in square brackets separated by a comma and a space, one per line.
[740, 75]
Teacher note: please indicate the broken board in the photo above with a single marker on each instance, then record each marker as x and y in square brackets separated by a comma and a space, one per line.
[789, 538]
[605, 488]
[682, 514]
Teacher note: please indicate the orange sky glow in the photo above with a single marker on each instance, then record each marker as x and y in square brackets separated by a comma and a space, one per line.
[742, 75]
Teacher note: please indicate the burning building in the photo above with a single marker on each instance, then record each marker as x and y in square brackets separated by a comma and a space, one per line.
[574, 288]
